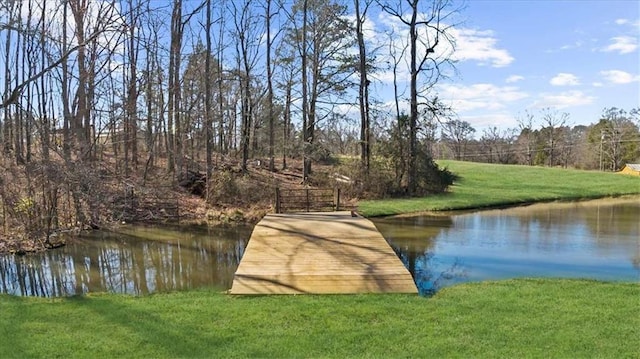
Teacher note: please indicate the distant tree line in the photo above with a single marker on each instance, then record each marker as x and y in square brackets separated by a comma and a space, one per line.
[546, 138]
[550, 140]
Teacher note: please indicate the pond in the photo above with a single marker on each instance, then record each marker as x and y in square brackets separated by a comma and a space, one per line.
[594, 239]
[131, 260]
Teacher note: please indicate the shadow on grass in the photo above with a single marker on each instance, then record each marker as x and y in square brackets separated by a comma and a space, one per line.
[155, 326]
[12, 310]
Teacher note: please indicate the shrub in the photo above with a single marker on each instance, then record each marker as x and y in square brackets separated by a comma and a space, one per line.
[222, 188]
[227, 188]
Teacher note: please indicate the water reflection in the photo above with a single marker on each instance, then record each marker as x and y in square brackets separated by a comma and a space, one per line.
[133, 260]
[595, 239]
[414, 240]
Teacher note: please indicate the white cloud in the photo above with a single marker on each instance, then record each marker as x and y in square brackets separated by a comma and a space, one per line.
[470, 45]
[480, 96]
[501, 120]
[563, 100]
[368, 28]
[622, 44]
[575, 45]
[618, 77]
[628, 22]
[514, 78]
[480, 45]
[565, 79]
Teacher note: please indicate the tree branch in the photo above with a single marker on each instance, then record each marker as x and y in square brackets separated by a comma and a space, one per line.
[15, 93]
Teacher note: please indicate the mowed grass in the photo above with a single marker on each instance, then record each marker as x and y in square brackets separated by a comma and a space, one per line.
[512, 319]
[482, 185]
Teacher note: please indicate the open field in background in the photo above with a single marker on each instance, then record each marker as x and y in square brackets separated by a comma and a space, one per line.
[513, 318]
[482, 185]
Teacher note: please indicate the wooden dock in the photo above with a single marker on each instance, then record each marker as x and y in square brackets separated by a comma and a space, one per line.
[321, 252]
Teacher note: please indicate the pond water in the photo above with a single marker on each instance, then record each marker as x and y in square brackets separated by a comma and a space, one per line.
[595, 239]
[131, 260]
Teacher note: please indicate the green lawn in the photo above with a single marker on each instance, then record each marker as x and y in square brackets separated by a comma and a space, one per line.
[511, 319]
[489, 185]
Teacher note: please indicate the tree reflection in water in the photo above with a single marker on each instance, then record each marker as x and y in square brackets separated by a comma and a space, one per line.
[132, 260]
[413, 240]
[595, 239]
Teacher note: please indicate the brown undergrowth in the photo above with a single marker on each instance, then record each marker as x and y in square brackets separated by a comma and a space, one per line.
[44, 205]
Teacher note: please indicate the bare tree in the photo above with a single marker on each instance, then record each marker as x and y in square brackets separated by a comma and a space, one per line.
[79, 11]
[458, 133]
[246, 29]
[569, 139]
[45, 126]
[285, 83]
[527, 138]
[154, 89]
[174, 93]
[322, 40]
[615, 138]
[4, 104]
[363, 87]
[307, 137]
[268, 16]
[552, 122]
[131, 120]
[401, 160]
[428, 30]
[207, 97]
[498, 145]
[220, 80]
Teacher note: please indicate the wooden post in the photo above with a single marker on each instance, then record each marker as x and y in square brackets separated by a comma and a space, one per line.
[278, 209]
[307, 193]
[336, 200]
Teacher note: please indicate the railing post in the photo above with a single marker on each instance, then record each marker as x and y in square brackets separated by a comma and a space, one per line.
[278, 209]
[307, 192]
[337, 199]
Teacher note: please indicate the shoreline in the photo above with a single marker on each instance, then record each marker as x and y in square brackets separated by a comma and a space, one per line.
[26, 247]
[515, 205]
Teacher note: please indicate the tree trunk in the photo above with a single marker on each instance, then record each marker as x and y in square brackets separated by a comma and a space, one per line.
[173, 106]
[305, 109]
[413, 112]
[132, 89]
[7, 131]
[363, 98]
[287, 121]
[270, 90]
[207, 99]
[44, 122]
[78, 10]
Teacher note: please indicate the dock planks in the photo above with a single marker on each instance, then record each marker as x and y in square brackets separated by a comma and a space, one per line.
[321, 252]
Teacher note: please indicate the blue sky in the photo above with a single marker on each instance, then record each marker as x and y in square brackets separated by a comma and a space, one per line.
[576, 57]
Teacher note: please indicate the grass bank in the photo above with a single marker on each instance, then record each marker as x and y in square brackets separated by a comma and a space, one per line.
[484, 185]
[514, 318]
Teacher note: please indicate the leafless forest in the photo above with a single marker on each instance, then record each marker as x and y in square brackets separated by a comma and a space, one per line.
[107, 106]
